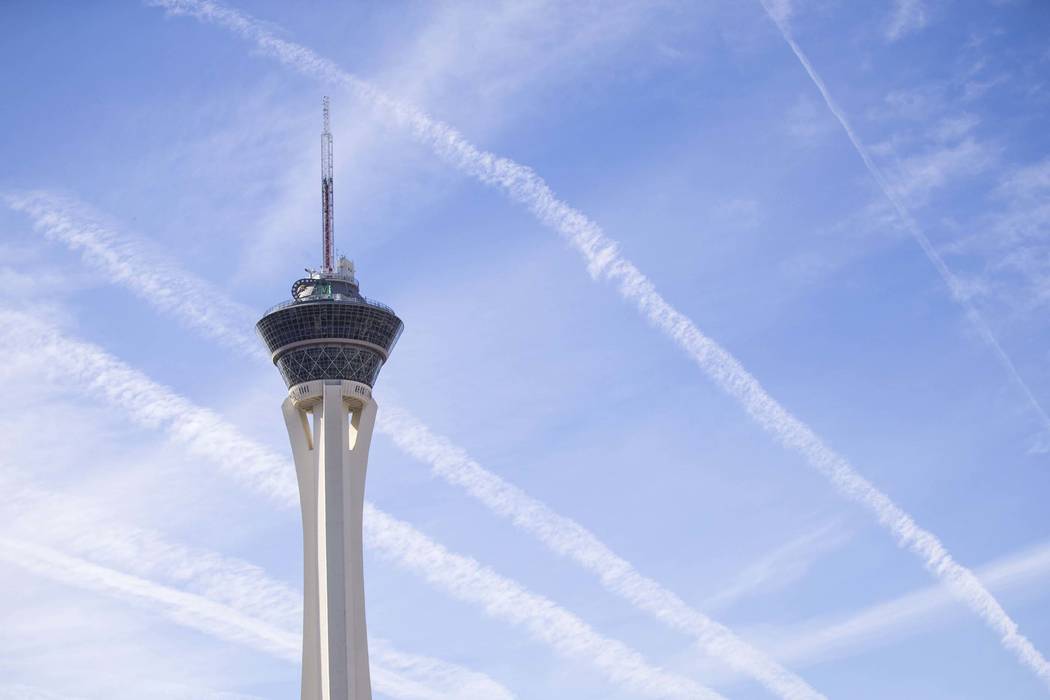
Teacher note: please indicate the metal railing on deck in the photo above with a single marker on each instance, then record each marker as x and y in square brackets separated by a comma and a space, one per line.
[340, 298]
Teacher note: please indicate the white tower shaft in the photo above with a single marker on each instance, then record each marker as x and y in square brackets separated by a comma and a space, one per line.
[331, 457]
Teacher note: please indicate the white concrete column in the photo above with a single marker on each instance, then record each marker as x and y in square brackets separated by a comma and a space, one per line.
[331, 457]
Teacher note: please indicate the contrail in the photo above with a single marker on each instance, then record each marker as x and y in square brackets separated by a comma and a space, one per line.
[568, 538]
[45, 518]
[134, 264]
[604, 260]
[958, 293]
[809, 643]
[205, 434]
[61, 218]
[186, 609]
[506, 599]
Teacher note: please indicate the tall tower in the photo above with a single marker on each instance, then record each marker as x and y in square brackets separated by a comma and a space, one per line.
[329, 343]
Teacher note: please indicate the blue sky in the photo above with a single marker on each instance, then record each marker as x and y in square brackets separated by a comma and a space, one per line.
[161, 191]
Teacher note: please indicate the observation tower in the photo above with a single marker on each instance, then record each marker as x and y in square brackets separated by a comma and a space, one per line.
[329, 343]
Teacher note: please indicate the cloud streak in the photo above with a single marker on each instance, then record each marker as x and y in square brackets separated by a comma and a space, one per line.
[908, 16]
[955, 286]
[568, 538]
[132, 263]
[186, 609]
[47, 521]
[563, 535]
[826, 639]
[781, 567]
[603, 260]
[207, 435]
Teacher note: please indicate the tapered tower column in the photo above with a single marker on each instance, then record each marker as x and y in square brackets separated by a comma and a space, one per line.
[330, 428]
[329, 343]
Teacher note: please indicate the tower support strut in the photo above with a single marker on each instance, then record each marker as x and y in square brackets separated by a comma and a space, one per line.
[330, 425]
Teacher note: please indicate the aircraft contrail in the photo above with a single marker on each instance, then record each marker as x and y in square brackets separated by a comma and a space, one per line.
[604, 260]
[568, 538]
[955, 288]
[205, 434]
[69, 221]
[79, 529]
[187, 609]
[72, 223]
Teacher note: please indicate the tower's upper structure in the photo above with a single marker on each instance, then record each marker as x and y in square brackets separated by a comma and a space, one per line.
[328, 330]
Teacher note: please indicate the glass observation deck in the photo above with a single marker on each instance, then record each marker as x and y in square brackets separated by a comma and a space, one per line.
[327, 330]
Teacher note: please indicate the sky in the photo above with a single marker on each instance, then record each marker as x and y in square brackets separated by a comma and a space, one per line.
[725, 369]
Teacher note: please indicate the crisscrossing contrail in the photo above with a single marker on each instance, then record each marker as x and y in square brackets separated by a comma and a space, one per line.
[958, 294]
[73, 224]
[207, 435]
[76, 541]
[187, 609]
[603, 260]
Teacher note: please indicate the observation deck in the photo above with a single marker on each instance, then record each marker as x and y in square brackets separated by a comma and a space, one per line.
[328, 330]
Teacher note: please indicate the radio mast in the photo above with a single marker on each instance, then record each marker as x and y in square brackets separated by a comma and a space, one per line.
[327, 194]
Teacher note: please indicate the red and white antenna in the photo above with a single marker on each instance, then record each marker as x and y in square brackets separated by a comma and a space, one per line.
[327, 194]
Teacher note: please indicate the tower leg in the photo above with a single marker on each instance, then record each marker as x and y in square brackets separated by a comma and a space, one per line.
[331, 457]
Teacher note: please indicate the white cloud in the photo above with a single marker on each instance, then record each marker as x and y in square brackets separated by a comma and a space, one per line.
[908, 16]
[825, 639]
[568, 538]
[191, 610]
[1010, 244]
[781, 567]
[225, 597]
[781, 10]
[131, 263]
[603, 260]
[559, 533]
[209, 437]
[470, 61]
[924, 177]
[916, 177]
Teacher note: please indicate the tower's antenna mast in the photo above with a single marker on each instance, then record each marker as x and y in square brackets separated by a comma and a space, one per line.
[327, 194]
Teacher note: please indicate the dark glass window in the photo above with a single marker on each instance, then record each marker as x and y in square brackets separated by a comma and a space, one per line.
[332, 319]
[329, 362]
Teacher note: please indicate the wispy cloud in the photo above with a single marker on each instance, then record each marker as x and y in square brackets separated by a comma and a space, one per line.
[907, 532]
[915, 177]
[781, 567]
[563, 535]
[210, 437]
[502, 598]
[958, 290]
[781, 9]
[186, 609]
[150, 405]
[908, 16]
[191, 609]
[1011, 241]
[130, 262]
[568, 538]
[603, 260]
[463, 57]
[83, 528]
[79, 529]
[826, 639]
